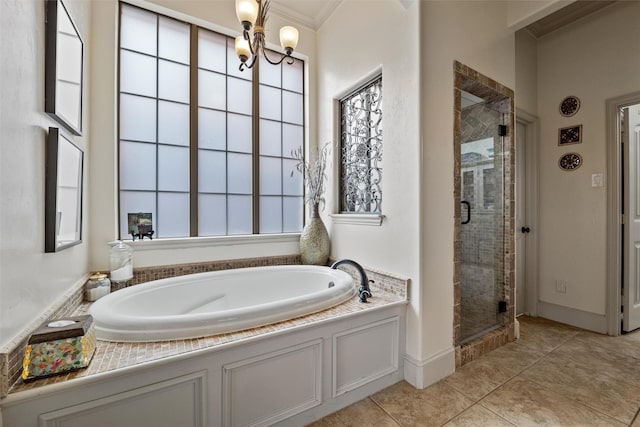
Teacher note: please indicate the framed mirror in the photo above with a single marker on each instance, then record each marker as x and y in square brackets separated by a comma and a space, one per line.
[63, 67]
[63, 192]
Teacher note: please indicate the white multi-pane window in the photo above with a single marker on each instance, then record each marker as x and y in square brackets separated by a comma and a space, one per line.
[281, 133]
[201, 149]
[361, 149]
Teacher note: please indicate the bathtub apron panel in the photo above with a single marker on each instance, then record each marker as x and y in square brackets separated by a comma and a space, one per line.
[286, 379]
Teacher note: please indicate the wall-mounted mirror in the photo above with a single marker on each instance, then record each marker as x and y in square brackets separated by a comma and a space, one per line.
[63, 193]
[63, 67]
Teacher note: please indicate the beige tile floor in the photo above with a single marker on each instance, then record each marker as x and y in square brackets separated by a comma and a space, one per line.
[555, 375]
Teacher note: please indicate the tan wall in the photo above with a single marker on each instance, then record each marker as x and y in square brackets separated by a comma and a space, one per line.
[595, 59]
[526, 72]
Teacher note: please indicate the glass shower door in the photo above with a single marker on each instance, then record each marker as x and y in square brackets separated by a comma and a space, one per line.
[482, 199]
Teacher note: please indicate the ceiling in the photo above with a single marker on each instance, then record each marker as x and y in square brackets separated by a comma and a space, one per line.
[313, 13]
[566, 16]
[310, 13]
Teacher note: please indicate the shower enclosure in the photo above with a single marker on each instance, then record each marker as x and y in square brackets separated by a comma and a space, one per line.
[482, 215]
[484, 238]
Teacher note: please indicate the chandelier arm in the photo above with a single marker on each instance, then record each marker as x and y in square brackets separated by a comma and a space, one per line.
[258, 43]
[244, 65]
[251, 43]
[264, 52]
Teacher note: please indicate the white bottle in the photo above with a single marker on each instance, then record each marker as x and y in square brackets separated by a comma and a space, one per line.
[121, 262]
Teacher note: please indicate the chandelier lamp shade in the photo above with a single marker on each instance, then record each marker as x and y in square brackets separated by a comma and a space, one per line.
[252, 14]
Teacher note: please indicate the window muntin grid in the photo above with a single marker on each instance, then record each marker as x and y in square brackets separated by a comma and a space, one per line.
[162, 124]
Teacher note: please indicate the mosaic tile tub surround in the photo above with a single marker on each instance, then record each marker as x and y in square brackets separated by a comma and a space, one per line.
[387, 289]
[11, 356]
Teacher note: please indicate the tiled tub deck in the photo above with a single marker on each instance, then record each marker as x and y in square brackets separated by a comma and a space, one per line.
[387, 290]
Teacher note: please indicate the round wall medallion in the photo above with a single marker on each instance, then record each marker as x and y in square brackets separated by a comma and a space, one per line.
[570, 161]
[569, 106]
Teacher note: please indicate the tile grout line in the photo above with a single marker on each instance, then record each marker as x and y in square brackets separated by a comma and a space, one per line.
[585, 403]
[475, 401]
[606, 373]
[544, 387]
[617, 352]
[479, 404]
[572, 336]
[478, 400]
[546, 353]
[385, 411]
[498, 415]
[567, 396]
[636, 417]
[559, 345]
[577, 401]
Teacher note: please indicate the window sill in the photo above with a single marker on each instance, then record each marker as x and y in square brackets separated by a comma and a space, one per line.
[213, 241]
[357, 219]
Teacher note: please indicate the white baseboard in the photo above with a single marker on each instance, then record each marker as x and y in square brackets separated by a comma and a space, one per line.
[421, 374]
[571, 316]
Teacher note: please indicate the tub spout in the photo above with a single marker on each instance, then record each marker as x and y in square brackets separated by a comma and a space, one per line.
[364, 290]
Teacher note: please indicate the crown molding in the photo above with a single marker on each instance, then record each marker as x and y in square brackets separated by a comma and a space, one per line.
[313, 22]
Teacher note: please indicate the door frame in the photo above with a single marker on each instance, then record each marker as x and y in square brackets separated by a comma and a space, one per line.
[531, 155]
[614, 213]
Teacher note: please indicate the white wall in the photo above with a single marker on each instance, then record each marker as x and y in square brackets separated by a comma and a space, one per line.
[415, 45]
[476, 34]
[216, 15]
[595, 59]
[30, 279]
[348, 51]
[416, 48]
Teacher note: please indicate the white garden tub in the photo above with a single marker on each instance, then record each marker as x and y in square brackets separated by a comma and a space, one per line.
[204, 304]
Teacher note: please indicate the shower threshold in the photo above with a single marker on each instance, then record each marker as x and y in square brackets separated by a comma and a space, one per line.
[479, 334]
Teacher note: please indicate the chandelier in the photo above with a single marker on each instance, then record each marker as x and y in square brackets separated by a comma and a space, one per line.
[253, 14]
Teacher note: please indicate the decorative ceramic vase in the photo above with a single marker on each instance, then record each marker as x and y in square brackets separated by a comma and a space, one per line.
[314, 241]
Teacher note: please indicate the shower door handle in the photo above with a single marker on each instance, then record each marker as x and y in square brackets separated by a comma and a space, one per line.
[468, 205]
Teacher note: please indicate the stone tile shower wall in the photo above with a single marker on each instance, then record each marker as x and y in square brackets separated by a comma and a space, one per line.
[469, 80]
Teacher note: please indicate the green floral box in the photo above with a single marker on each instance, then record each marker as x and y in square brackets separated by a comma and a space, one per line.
[59, 346]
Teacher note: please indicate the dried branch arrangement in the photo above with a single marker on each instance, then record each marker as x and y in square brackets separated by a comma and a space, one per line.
[314, 175]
